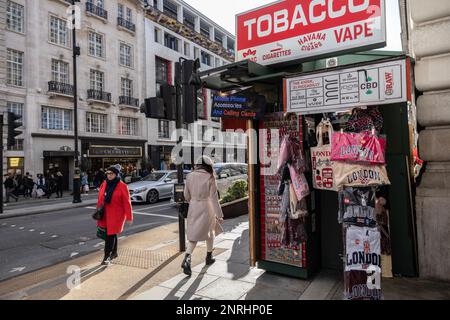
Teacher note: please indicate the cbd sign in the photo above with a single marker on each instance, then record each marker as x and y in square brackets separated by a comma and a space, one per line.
[302, 29]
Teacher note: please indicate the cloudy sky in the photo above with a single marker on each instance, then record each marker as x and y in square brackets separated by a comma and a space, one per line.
[223, 13]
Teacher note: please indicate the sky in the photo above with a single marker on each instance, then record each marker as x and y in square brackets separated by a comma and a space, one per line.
[223, 13]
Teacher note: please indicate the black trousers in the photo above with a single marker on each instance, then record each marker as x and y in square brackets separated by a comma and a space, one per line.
[110, 245]
[59, 192]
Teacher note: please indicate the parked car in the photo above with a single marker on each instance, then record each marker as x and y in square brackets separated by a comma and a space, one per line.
[226, 174]
[157, 185]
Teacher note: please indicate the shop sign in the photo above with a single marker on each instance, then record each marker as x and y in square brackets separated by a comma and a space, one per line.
[15, 162]
[238, 106]
[376, 84]
[110, 151]
[301, 29]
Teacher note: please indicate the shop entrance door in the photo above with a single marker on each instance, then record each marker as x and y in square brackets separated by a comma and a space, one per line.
[331, 231]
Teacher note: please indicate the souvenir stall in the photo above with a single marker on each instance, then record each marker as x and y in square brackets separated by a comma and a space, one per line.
[337, 192]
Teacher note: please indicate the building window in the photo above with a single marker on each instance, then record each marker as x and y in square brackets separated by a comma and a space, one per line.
[60, 71]
[129, 16]
[58, 32]
[126, 87]
[120, 10]
[158, 35]
[162, 74]
[96, 43]
[163, 129]
[206, 58]
[196, 53]
[97, 80]
[171, 41]
[16, 108]
[128, 126]
[95, 122]
[189, 20]
[15, 17]
[204, 29]
[56, 119]
[201, 104]
[170, 9]
[217, 62]
[126, 56]
[14, 67]
[187, 49]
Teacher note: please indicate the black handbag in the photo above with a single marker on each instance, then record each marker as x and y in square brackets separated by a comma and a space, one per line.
[99, 213]
[184, 209]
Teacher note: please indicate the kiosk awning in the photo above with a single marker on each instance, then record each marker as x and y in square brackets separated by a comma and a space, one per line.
[240, 74]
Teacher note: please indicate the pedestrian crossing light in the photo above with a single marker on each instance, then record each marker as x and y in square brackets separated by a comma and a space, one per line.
[14, 122]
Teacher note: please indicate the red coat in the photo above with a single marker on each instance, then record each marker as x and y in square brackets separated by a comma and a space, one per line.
[116, 212]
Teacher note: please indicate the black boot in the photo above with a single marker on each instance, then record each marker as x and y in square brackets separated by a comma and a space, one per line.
[187, 265]
[209, 259]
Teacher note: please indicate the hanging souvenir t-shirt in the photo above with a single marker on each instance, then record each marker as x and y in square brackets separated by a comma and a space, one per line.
[357, 205]
[365, 119]
[363, 248]
[355, 284]
[363, 147]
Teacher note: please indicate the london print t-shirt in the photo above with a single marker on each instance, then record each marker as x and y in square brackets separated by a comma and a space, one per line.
[362, 248]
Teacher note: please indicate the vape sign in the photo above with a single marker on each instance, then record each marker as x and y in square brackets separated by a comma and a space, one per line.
[302, 29]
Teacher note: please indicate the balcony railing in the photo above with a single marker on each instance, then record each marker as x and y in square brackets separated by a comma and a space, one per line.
[99, 95]
[126, 24]
[98, 11]
[129, 101]
[61, 88]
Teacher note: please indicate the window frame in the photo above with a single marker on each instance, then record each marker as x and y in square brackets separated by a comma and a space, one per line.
[58, 31]
[163, 129]
[66, 124]
[101, 122]
[95, 80]
[121, 55]
[128, 126]
[130, 87]
[9, 14]
[58, 72]
[15, 68]
[93, 45]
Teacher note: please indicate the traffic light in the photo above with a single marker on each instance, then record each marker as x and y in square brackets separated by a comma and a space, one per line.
[191, 83]
[168, 94]
[13, 124]
[153, 108]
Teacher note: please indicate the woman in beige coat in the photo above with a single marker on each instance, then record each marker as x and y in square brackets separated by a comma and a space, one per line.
[205, 214]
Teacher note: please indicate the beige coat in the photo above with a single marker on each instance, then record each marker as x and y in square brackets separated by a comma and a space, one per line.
[204, 207]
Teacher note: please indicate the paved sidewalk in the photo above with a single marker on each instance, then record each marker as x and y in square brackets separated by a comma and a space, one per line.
[33, 206]
[229, 278]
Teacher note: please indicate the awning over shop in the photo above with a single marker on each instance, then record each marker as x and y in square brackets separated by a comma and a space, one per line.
[238, 75]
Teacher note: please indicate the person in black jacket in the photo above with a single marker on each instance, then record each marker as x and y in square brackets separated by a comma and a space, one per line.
[10, 188]
[29, 185]
[59, 184]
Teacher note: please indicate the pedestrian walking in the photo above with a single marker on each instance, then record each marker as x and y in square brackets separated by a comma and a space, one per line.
[50, 185]
[84, 183]
[41, 183]
[59, 184]
[114, 197]
[10, 187]
[99, 178]
[29, 185]
[205, 214]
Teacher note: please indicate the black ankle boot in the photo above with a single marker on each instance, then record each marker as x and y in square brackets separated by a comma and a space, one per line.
[209, 259]
[187, 265]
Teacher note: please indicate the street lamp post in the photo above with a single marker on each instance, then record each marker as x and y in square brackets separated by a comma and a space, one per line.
[76, 52]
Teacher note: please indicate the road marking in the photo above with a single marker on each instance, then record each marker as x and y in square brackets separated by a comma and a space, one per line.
[21, 228]
[13, 226]
[19, 269]
[82, 243]
[54, 236]
[157, 206]
[42, 233]
[99, 244]
[31, 230]
[73, 254]
[90, 207]
[154, 215]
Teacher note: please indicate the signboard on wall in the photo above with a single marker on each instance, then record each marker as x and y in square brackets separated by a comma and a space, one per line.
[242, 106]
[302, 29]
[375, 84]
[111, 151]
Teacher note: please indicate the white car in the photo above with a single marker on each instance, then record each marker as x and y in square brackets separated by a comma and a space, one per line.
[157, 185]
[226, 174]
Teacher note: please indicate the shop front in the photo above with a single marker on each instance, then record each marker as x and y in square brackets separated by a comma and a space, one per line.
[366, 98]
[59, 160]
[101, 154]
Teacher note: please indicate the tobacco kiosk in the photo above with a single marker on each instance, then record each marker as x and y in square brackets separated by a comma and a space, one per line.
[296, 103]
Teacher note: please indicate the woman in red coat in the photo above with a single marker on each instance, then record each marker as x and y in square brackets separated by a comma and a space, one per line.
[115, 196]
